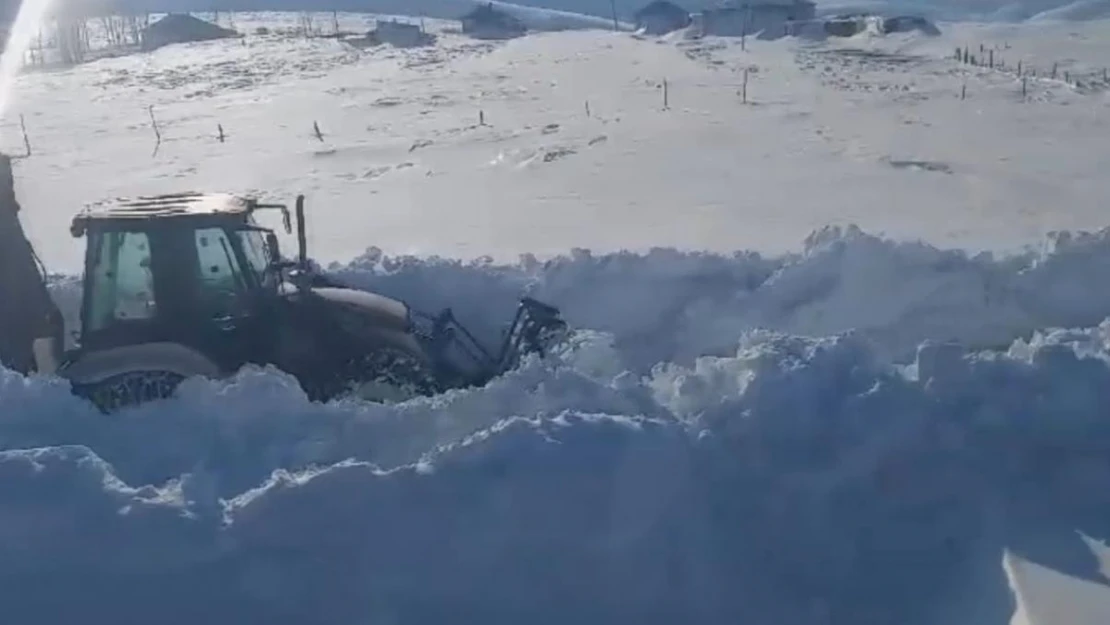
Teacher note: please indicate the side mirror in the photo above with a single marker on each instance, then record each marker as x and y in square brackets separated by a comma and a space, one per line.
[278, 265]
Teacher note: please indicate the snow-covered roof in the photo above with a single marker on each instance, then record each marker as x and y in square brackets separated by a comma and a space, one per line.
[664, 8]
[487, 12]
[188, 204]
[185, 26]
[489, 15]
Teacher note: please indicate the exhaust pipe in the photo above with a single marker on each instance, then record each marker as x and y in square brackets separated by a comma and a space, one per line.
[302, 243]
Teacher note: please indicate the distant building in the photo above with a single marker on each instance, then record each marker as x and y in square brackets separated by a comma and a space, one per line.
[758, 16]
[182, 28]
[844, 26]
[852, 25]
[486, 22]
[662, 17]
[399, 34]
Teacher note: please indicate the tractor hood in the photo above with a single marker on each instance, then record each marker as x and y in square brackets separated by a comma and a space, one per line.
[379, 309]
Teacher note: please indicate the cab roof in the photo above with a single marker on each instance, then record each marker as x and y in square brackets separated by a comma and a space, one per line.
[173, 205]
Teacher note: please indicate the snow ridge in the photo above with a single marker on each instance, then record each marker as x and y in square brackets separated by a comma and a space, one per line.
[772, 481]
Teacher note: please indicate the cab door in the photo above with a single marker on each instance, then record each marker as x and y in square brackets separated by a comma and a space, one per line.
[234, 325]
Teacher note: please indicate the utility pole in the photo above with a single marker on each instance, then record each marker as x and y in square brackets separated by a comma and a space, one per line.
[613, 6]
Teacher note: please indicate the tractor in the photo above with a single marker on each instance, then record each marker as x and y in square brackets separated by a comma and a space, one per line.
[190, 284]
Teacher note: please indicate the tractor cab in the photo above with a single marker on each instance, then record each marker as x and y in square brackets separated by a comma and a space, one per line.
[190, 268]
[189, 284]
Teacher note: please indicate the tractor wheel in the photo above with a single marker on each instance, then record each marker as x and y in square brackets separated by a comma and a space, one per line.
[130, 389]
[389, 375]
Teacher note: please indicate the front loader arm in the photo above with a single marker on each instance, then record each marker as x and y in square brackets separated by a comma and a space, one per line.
[534, 328]
[458, 357]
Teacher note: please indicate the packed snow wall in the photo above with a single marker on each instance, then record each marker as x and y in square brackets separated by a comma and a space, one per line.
[857, 433]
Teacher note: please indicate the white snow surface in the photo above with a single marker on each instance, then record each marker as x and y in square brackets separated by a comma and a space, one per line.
[828, 137]
[868, 428]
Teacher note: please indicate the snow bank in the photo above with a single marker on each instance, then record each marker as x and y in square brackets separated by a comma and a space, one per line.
[668, 305]
[689, 457]
[819, 473]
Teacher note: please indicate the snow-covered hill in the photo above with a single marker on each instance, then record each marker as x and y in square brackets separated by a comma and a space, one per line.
[539, 14]
[766, 414]
[976, 10]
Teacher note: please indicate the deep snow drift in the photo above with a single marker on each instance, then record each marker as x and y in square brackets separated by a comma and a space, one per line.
[786, 480]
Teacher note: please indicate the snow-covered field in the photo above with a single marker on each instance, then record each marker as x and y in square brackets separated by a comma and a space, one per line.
[827, 138]
[839, 424]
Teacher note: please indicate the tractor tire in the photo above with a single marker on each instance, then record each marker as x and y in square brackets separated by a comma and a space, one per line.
[389, 374]
[130, 389]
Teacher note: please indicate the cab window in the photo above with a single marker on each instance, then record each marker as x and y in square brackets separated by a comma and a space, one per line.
[121, 285]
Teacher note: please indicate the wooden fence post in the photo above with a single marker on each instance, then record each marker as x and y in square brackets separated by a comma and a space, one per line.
[157, 133]
[26, 141]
